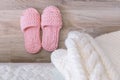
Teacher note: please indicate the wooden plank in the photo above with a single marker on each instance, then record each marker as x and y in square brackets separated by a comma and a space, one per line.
[69, 4]
[95, 18]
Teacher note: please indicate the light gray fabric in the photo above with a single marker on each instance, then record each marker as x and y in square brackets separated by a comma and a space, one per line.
[29, 71]
[57, 75]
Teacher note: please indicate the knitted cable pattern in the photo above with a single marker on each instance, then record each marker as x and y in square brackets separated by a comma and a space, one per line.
[84, 58]
[98, 67]
[110, 70]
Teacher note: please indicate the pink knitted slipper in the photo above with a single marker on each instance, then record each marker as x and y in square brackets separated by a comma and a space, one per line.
[30, 26]
[51, 24]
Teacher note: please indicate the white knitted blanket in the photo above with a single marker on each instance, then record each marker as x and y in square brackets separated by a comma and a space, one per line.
[83, 59]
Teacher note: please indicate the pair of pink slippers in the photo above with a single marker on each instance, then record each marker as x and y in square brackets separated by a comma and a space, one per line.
[50, 22]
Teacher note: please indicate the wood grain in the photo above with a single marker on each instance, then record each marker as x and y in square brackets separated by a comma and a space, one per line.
[95, 18]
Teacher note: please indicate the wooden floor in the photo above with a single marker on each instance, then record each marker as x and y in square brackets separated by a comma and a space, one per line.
[93, 17]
